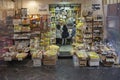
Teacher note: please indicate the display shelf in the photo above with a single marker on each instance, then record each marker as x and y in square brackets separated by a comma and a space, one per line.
[19, 32]
[24, 24]
[97, 29]
[98, 20]
[21, 38]
[22, 33]
[88, 31]
[94, 27]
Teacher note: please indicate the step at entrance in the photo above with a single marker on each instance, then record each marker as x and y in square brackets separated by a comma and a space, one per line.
[65, 51]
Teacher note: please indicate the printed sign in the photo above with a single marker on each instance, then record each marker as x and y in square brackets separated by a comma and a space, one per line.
[43, 7]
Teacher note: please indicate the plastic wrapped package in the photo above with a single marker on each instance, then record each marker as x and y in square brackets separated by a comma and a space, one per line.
[8, 56]
[82, 57]
[36, 54]
[50, 57]
[21, 56]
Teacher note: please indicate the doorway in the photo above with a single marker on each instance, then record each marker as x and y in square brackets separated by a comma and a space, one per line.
[64, 14]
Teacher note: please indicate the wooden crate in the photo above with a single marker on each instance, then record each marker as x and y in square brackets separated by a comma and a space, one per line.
[83, 62]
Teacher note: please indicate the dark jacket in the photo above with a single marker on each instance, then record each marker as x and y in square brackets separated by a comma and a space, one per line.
[65, 32]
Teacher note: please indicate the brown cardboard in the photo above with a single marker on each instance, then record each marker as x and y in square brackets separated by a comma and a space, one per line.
[52, 62]
[47, 58]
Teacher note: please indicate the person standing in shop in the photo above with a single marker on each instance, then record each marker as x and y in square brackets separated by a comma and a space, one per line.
[65, 35]
[58, 34]
[73, 33]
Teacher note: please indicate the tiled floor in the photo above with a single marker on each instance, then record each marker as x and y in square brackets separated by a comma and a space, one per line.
[64, 70]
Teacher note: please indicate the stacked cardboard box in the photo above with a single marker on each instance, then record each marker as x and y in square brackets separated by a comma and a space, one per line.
[37, 57]
[49, 60]
[50, 56]
[93, 59]
[82, 57]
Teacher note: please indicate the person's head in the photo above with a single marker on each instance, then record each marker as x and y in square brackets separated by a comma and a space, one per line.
[58, 27]
[74, 22]
[74, 25]
[64, 26]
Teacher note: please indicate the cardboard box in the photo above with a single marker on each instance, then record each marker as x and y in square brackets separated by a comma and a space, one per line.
[20, 59]
[110, 64]
[7, 58]
[37, 62]
[93, 63]
[47, 58]
[52, 62]
[83, 62]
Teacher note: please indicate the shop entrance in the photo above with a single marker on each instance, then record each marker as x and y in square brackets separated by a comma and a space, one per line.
[64, 14]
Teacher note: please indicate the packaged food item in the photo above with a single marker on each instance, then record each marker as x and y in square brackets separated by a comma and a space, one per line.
[37, 54]
[21, 55]
[93, 55]
[53, 47]
[81, 54]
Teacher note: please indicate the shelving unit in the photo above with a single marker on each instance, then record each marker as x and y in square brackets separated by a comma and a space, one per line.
[40, 30]
[93, 33]
[79, 35]
[97, 29]
[88, 34]
[22, 33]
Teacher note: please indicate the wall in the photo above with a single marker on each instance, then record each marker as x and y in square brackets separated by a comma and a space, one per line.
[6, 4]
[111, 1]
[34, 5]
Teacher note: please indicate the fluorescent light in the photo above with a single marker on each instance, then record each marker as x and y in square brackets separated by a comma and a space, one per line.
[32, 3]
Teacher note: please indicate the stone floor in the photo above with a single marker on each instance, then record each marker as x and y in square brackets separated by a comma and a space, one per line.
[64, 70]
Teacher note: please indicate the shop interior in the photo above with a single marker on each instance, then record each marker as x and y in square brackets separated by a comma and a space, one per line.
[29, 28]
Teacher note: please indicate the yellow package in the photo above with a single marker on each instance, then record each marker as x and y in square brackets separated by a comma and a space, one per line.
[93, 55]
[21, 55]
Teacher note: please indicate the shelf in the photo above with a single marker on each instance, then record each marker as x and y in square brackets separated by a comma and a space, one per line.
[78, 35]
[88, 21]
[88, 33]
[79, 29]
[24, 17]
[25, 24]
[21, 38]
[97, 36]
[23, 32]
[98, 20]
[97, 26]
[87, 38]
